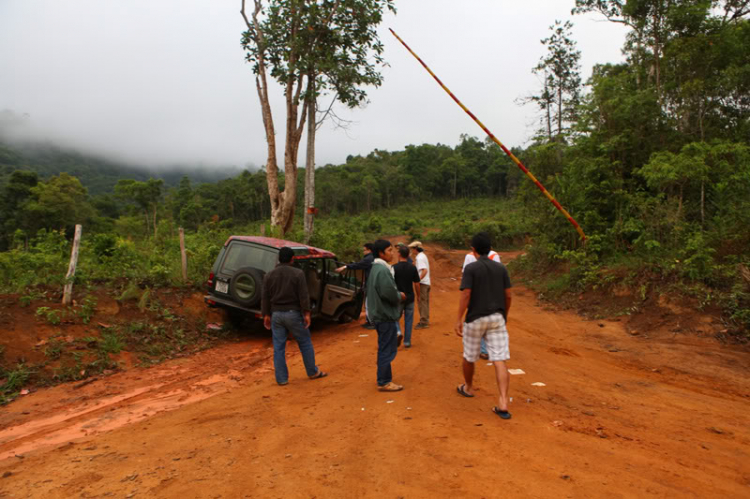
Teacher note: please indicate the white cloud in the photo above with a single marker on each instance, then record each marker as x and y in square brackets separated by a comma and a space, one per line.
[165, 82]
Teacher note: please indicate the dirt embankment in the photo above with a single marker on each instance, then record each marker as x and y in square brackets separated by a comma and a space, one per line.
[619, 415]
[44, 342]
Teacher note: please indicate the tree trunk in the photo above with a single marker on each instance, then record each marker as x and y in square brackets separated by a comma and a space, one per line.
[310, 160]
[272, 168]
[658, 19]
[549, 113]
[559, 111]
[703, 203]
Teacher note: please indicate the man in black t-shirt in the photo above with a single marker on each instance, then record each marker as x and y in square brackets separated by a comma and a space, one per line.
[407, 281]
[485, 299]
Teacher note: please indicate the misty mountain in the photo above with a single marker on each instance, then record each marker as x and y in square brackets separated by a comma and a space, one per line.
[98, 174]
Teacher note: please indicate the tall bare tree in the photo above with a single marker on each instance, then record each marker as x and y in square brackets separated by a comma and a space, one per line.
[308, 47]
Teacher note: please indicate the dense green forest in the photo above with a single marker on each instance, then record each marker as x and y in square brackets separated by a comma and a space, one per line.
[651, 156]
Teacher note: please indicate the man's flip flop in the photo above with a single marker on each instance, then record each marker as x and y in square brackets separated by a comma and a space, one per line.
[319, 374]
[461, 390]
[391, 387]
[502, 414]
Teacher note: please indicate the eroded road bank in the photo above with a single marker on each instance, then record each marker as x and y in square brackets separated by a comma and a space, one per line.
[656, 414]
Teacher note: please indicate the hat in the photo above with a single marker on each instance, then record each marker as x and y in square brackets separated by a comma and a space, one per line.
[401, 244]
[415, 244]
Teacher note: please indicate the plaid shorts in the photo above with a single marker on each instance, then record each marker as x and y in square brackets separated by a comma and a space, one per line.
[492, 328]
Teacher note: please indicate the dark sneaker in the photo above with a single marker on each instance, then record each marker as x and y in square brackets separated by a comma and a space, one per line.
[400, 339]
[421, 326]
[484, 356]
[368, 325]
[407, 345]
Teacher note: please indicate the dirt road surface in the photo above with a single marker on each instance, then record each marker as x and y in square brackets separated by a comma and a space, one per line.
[655, 414]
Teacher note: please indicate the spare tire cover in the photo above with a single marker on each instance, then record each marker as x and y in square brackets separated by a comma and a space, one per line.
[245, 286]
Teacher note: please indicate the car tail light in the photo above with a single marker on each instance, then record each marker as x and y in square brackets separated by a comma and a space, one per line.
[210, 281]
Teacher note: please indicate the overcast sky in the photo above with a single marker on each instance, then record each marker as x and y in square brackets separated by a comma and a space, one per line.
[164, 81]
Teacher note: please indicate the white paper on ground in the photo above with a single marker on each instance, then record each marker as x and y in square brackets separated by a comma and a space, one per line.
[538, 383]
[364, 335]
[516, 371]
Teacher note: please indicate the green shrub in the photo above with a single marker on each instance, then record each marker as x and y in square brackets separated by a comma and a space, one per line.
[50, 315]
[104, 246]
[111, 343]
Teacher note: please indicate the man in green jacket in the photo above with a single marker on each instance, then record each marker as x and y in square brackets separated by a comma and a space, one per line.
[383, 299]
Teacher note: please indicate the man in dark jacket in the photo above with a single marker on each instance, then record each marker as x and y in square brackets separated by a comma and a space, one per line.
[285, 305]
[364, 264]
[407, 281]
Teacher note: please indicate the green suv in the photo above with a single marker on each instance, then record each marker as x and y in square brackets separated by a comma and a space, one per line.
[236, 279]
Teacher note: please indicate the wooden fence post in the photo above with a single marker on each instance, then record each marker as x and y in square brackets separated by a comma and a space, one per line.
[184, 255]
[68, 292]
[263, 230]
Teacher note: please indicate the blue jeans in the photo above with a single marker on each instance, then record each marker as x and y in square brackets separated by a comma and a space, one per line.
[282, 323]
[408, 322]
[387, 348]
[483, 348]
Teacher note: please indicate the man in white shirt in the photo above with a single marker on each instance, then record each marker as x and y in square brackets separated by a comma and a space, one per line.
[470, 258]
[423, 267]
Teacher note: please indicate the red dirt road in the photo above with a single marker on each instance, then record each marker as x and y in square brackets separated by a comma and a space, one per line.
[620, 416]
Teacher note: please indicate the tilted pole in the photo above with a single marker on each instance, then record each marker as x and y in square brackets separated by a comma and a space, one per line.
[496, 141]
[183, 254]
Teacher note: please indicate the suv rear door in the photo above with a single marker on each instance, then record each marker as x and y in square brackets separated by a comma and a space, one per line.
[239, 256]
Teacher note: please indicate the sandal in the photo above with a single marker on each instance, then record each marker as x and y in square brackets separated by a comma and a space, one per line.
[391, 387]
[502, 414]
[318, 375]
[461, 389]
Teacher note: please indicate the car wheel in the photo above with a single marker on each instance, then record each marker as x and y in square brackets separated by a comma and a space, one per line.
[245, 286]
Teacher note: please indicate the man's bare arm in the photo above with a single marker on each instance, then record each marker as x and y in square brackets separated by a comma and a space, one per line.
[463, 304]
[422, 273]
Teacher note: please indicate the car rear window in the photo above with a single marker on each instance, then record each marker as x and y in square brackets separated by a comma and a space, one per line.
[245, 255]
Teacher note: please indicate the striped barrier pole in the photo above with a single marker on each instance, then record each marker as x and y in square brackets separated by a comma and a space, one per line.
[496, 141]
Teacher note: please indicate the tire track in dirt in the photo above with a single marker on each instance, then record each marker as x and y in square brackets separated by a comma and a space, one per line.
[110, 404]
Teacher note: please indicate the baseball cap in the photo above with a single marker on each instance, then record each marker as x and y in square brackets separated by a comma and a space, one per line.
[415, 244]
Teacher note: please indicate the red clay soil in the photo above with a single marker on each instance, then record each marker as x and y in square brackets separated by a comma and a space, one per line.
[620, 416]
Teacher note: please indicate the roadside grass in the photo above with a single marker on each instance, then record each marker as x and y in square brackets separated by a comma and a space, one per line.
[12, 381]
